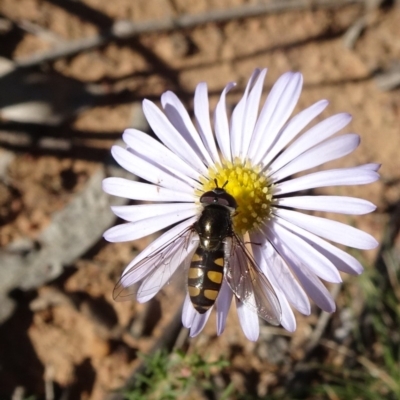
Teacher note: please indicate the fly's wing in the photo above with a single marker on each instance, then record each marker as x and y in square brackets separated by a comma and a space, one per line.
[248, 283]
[156, 269]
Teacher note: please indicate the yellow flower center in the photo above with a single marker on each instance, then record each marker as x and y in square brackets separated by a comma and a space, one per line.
[251, 189]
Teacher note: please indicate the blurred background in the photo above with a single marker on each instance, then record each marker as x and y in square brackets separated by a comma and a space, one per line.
[73, 74]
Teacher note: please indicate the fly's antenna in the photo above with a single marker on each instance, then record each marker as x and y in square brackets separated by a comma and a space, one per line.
[216, 184]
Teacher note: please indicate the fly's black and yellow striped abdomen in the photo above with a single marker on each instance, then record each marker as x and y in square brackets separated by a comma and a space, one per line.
[206, 273]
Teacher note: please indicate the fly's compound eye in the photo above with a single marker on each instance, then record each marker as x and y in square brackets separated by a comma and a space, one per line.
[220, 197]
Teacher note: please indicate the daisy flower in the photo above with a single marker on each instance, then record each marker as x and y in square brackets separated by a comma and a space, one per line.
[256, 154]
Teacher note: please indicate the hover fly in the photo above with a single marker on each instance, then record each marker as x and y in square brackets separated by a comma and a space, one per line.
[210, 251]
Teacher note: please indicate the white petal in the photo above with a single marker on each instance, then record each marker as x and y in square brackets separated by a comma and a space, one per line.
[142, 211]
[311, 258]
[161, 275]
[198, 323]
[251, 113]
[260, 131]
[223, 303]
[188, 312]
[248, 321]
[274, 115]
[202, 114]
[135, 230]
[143, 191]
[180, 119]
[149, 157]
[173, 139]
[238, 118]
[293, 128]
[341, 260]
[329, 150]
[336, 204]
[288, 320]
[161, 155]
[147, 170]
[221, 124]
[278, 273]
[370, 166]
[328, 229]
[311, 284]
[312, 137]
[318, 293]
[333, 177]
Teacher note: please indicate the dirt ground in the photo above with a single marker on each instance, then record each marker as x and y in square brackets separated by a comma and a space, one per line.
[68, 332]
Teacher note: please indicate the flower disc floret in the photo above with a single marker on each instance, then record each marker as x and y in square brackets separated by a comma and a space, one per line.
[251, 189]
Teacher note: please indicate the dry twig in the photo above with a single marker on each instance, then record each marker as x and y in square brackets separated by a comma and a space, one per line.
[389, 80]
[321, 324]
[125, 29]
[39, 31]
[354, 32]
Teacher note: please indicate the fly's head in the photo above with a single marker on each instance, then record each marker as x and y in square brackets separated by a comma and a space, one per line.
[219, 196]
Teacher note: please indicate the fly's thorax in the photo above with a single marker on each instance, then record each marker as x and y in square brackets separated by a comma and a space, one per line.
[245, 187]
[213, 226]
